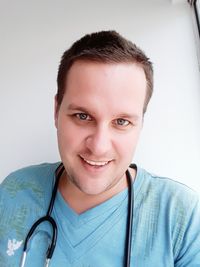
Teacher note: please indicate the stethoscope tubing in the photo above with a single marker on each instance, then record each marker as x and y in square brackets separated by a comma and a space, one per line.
[48, 218]
[128, 245]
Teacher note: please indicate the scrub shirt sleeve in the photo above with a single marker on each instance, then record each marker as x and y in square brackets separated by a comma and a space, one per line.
[2, 204]
[189, 254]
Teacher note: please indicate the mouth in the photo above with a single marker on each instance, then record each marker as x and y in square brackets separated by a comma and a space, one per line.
[95, 163]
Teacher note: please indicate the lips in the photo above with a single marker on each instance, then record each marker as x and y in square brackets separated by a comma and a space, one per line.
[96, 163]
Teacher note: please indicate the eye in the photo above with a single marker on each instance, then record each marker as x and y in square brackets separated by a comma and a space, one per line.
[122, 122]
[83, 116]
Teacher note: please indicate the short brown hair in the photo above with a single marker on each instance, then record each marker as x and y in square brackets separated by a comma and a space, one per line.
[105, 47]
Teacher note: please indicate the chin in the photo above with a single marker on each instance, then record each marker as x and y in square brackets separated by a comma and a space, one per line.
[92, 190]
[90, 185]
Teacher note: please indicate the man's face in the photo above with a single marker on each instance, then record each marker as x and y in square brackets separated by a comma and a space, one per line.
[98, 123]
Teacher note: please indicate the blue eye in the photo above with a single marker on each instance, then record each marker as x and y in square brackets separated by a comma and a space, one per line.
[122, 122]
[83, 116]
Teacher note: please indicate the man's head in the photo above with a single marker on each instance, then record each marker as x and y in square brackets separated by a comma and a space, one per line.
[104, 85]
[104, 47]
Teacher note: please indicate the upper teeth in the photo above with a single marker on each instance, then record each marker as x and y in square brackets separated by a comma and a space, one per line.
[96, 163]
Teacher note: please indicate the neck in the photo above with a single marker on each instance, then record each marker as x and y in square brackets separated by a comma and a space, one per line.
[80, 201]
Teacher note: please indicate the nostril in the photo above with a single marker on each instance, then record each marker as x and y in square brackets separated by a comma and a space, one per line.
[99, 142]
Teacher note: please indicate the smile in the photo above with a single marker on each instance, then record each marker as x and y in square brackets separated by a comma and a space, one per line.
[96, 163]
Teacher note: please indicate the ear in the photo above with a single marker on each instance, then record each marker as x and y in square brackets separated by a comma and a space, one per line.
[56, 111]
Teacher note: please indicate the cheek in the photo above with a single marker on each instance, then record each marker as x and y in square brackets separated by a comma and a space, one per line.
[127, 145]
[69, 136]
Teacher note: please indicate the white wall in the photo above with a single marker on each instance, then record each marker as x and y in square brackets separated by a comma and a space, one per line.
[33, 36]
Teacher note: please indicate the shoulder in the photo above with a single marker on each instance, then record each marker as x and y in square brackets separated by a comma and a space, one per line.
[32, 170]
[24, 197]
[168, 189]
[28, 177]
[176, 209]
[173, 202]
[25, 193]
[27, 185]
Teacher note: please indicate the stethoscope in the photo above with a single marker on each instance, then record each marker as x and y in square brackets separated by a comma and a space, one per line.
[48, 218]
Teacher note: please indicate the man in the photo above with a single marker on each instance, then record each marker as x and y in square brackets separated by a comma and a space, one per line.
[104, 85]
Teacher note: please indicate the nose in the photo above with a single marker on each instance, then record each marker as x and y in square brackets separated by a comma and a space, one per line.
[99, 142]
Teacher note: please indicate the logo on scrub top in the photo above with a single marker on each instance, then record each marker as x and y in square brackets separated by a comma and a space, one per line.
[12, 246]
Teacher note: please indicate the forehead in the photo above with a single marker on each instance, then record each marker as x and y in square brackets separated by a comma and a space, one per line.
[106, 85]
[88, 72]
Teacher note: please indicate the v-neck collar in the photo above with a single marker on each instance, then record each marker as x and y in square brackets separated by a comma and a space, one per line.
[78, 233]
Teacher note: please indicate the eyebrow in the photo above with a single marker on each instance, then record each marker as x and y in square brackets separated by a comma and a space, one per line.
[75, 107]
[128, 116]
[120, 115]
